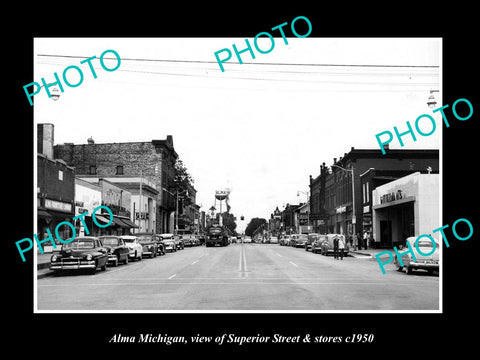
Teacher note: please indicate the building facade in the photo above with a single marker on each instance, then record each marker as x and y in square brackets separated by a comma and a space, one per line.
[153, 160]
[408, 206]
[337, 200]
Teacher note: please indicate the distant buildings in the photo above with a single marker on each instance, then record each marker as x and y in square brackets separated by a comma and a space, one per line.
[343, 198]
[134, 179]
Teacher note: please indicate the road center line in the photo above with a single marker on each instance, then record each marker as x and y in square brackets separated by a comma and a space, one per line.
[291, 262]
[171, 277]
[193, 263]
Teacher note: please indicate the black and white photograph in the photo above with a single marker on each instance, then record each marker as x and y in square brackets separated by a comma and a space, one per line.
[262, 187]
[269, 185]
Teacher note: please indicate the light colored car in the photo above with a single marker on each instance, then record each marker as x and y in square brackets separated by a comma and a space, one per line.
[327, 244]
[247, 239]
[429, 262]
[273, 240]
[134, 246]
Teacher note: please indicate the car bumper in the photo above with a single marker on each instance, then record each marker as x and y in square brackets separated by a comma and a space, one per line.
[73, 266]
[424, 265]
[112, 257]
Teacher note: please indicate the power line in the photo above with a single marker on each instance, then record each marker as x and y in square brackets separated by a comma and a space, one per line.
[249, 63]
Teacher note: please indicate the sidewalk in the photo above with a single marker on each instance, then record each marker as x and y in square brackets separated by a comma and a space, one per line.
[368, 252]
[43, 264]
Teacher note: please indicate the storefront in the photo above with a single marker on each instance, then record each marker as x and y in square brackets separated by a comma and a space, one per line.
[408, 206]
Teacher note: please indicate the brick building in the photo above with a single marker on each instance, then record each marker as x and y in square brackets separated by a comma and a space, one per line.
[153, 160]
[331, 192]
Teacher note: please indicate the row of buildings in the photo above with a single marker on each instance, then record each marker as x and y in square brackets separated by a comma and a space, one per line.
[384, 198]
[135, 180]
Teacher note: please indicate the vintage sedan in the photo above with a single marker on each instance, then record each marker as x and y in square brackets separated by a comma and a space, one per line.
[149, 245]
[429, 261]
[312, 237]
[82, 253]
[327, 244]
[169, 242]
[317, 243]
[300, 240]
[134, 247]
[117, 249]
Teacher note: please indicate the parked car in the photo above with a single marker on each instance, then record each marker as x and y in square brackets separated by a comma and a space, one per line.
[81, 253]
[116, 248]
[317, 243]
[135, 248]
[143, 238]
[149, 245]
[310, 240]
[300, 240]
[284, 240]
[172, 242]
[327, 244]
[188, 240]
[247, 239]
[273, 240]
[428, 262]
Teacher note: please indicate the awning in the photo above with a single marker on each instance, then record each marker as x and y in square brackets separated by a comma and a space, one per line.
[129, 223]
[43, 213]
[102, 219]
[120, 223]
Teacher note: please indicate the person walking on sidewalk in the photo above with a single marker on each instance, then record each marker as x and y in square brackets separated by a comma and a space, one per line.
[335, 247]
[355, 242]
[341, 246]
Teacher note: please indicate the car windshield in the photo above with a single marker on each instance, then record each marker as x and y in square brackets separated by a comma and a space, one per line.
[110, 241]
[302, 237]
[80, 244]
[426, 244]
[129, 240]
[145, 239]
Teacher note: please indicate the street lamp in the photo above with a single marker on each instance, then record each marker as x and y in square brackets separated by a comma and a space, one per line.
[55, 94]
[354, 220]
[307, 193]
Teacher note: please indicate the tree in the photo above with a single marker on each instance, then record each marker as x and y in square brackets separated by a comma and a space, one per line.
[182, 181]
[253, 225]
[229, 221]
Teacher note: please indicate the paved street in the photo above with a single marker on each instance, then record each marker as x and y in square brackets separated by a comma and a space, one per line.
[242, 277]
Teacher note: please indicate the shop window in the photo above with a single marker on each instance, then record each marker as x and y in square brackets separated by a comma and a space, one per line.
[120, 170]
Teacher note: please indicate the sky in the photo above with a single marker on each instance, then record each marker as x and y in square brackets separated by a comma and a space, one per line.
[260, 128]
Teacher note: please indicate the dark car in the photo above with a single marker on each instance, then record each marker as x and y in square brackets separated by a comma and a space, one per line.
[146, 237]
[116, 248]
[149, 245]
[81, 253]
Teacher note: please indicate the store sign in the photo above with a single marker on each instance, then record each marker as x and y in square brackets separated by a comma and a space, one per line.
[341, 209]
[58, 205]
[366, 209]
[386, 198]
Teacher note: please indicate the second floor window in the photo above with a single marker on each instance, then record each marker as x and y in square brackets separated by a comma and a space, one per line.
[120, 170]
[93, 169]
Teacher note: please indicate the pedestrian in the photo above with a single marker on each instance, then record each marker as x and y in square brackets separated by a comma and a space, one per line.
[335, 247]
[365, 238]
[341, 246]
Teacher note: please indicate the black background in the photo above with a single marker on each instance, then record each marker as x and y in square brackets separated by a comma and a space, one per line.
[47, 334]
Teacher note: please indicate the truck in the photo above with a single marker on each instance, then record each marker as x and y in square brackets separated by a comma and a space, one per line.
[216, 235]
